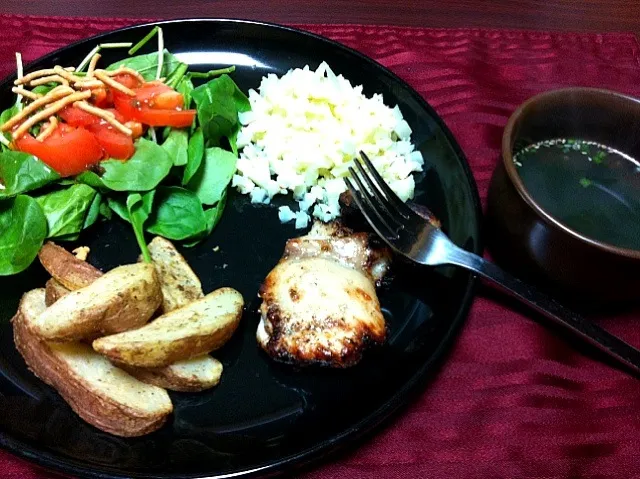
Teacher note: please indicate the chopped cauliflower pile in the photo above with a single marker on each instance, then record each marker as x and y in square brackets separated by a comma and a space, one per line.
[303, 132]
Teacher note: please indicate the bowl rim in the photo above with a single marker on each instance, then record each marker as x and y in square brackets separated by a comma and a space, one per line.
[516, 181]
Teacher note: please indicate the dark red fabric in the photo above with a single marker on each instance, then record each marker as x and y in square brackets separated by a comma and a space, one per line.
[512, 401]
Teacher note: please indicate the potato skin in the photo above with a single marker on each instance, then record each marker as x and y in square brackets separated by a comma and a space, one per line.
[54, 291]
[97, 409]
[122, 299]
[180, 285]
[175, 336]
[64, 267]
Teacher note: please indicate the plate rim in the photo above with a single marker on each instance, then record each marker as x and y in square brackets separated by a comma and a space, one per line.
[402, 398]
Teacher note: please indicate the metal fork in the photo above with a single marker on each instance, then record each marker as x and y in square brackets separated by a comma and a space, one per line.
[423, 242]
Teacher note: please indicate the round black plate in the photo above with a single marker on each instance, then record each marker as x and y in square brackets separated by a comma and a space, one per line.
[263, 417]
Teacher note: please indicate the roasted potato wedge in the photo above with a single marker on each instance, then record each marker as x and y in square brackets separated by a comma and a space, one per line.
[64, 267]
[180, 285]
[123, 298]
[100, 393]
[191, 375]
[54, 291]
[198, 328]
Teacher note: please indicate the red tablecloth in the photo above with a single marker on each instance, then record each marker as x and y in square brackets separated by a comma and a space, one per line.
[512, 401]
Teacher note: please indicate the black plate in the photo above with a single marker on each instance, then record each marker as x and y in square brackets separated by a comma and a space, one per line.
[263, 417]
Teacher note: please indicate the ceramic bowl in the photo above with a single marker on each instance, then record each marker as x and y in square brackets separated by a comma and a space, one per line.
[530, 242]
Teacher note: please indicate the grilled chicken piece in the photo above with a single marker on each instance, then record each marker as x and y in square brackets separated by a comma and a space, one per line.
[319, 303]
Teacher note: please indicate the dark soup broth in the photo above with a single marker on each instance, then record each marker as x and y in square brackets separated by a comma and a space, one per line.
[588, 187]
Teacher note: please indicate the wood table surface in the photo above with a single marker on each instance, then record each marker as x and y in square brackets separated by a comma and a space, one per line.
[576, 15]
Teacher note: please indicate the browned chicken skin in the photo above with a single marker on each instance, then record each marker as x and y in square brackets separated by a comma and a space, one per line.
[319, 303]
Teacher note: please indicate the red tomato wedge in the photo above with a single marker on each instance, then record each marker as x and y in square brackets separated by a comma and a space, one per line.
[154, 105]
[159, 96]
[75, 116]
[100, 97]
[114, 143]
[68, 150]
[127, 80]
[103, 97]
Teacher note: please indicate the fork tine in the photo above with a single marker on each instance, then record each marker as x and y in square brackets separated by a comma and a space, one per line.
[385, 206]
[402, 208]
[369, 210]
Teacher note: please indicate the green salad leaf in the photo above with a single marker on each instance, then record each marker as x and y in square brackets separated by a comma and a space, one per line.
[105, 211]
[92, 179]
[212, 218]
[44, 89]
[195, 153]
[214, 214]
[177, 215]
[218, 102]
[21, 172]
[119, 206]
[93, 213]
[147, 65]
[8, 113]
[185, 88]
[212, 178]
[242, 105]
[66, 210]
[176, 146]
[148, 166]
[4, 117]
[139, 207]
[36, 203]
[24, 228]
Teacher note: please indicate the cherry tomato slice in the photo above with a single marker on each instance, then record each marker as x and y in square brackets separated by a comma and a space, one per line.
[74, 116]
[159, 96]
[127, 80]
[114, 143]
[69, 150]
[100, 97]
[133, 109]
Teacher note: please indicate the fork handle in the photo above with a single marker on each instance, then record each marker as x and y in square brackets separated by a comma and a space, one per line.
[613, 346]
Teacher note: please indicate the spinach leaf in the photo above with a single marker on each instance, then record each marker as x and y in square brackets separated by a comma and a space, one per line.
[65, 182]
[21, 172]
[92, 179]
[94, 211]
[66, 210]
[195, 153]
[119, 206]
[5, 116]
[218, 102]
[212, 178]
[212, 218]
[105, 210]
[178, 214]
[185, 87]
[44, 89]
[214, 214]
[24, 228]
[147, 64]
[148, 166]
[176, 146]
[138, 207]
[242, 105]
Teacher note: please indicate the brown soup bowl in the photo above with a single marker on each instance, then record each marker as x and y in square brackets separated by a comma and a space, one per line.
[531, 243]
